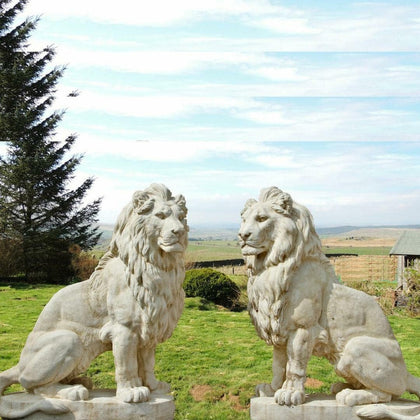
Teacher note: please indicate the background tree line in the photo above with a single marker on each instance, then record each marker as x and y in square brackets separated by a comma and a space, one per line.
[41, 217]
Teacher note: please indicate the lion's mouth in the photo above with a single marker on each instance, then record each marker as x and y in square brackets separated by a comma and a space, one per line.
[171, 245]
[249, 248]
[249, 243]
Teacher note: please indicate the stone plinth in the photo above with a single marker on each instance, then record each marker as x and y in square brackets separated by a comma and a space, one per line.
[102, 405]
[325, 407]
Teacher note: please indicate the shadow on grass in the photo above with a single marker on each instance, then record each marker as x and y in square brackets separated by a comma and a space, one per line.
[205, 305]
[199, 303]
[20, 284]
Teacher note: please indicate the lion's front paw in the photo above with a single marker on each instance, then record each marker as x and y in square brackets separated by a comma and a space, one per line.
[291, 393]
[264, 390]
[289, 397]
[347, 397]
[338, 387]
[353, 397]
[74, 393]
[136, 395]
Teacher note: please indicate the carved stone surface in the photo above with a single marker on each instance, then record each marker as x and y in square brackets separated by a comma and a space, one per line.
[101, 405]
[298, 306]
[323, 407]
[131, 303]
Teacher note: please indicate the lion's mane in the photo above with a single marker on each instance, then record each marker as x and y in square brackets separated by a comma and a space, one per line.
[154, 277]
[294, 240]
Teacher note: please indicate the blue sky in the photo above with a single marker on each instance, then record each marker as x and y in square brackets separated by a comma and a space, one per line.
[220, 98]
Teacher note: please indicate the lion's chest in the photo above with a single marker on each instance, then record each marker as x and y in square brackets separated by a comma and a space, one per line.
[267, 307]
[161, 301]
[149, 303]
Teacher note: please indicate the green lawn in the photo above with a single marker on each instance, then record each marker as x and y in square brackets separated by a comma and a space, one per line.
[213, 360]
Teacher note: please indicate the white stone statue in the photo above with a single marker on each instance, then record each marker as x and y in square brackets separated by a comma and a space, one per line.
[132, 302]
[298, 306]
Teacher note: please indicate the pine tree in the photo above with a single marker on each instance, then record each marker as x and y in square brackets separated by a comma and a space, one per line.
[38, 211]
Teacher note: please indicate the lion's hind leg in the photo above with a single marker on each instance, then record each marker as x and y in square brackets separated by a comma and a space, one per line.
[376, 363]
[8, 377]
[413, 384]
[49, 358]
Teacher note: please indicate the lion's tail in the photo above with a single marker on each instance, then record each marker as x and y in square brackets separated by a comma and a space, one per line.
[7, 410]
[413, 385]
[8, 377]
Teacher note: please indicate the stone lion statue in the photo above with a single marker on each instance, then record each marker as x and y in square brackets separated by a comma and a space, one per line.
[132, 302]
[298, 307]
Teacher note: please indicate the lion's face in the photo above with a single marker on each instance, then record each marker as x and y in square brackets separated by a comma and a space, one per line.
[167, 226]
[256, 232]
[152, 226]
[276, 230]
[261, 226]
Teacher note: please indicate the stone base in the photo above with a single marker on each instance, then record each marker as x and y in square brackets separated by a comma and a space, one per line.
[102, 405]
[325, 407]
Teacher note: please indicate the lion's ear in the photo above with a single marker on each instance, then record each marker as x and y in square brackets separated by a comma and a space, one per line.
[248, 204]
[181, 202]
[142, 203]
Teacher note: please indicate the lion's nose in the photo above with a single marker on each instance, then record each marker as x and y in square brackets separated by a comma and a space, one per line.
[244, 235]
[177, 229]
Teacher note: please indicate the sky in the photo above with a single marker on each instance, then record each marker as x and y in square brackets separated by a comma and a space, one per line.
[220, 98]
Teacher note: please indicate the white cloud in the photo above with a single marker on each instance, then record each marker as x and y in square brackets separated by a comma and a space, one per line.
[358, 27]
[266, 116]
[208, 127]
[286, 25]
[160, 150]
[277, 160]
[354, 75]
[153, 62]
[155, 13]
[279, 73]
[157, 106]
[340, 184]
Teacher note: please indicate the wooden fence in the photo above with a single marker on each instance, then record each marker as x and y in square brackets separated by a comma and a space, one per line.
[366, 267]
[348, 268]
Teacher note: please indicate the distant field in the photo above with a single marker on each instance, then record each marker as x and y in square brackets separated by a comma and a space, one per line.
[358, 242]
[212, 251]
[224, 250]
[219, 244]
[370, 263]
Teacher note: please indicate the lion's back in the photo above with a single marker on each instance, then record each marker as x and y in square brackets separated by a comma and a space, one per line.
[68, 306]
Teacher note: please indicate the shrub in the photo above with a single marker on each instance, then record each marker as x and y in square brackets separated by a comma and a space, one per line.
[211, 285]
[82, 262]
[412, 277]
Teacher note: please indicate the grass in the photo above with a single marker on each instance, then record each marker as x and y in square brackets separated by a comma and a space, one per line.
[213, 360]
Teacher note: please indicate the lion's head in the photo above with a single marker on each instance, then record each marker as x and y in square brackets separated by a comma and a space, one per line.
[276, 230]
[153, 226]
